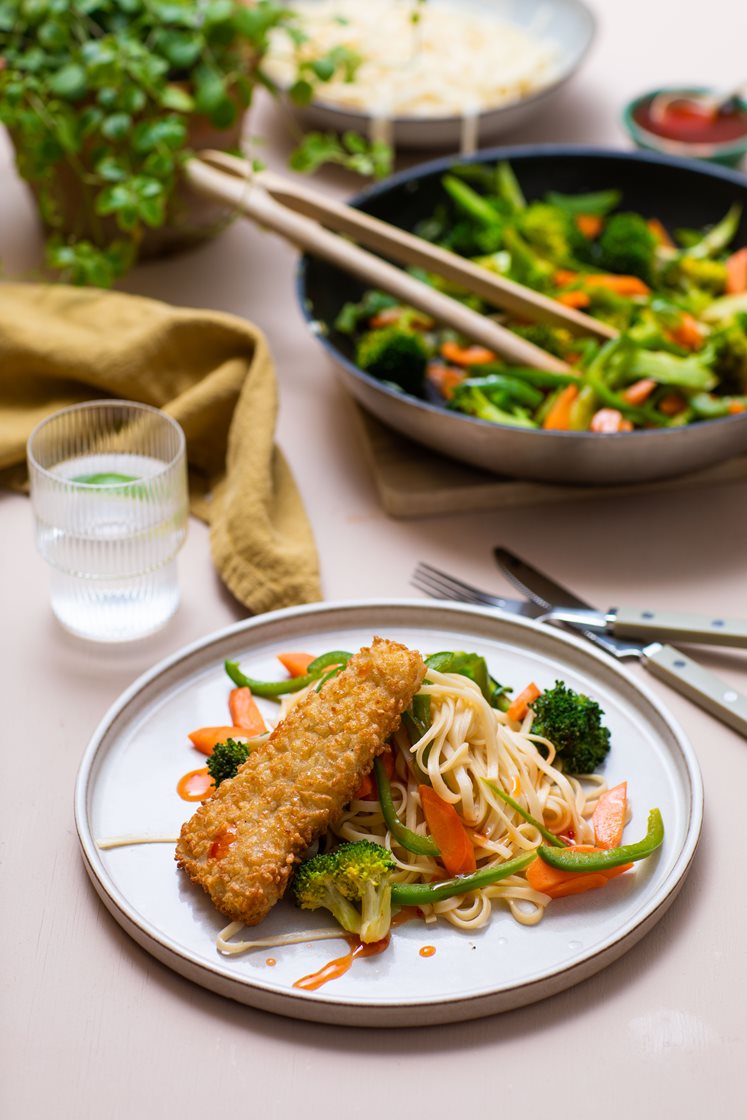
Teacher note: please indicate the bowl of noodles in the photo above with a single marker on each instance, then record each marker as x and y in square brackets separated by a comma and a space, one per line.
[435, 73]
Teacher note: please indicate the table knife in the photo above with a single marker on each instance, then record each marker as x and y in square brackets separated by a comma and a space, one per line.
[668, 664]
[629, 622]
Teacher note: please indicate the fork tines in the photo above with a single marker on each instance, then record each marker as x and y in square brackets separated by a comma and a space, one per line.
[440, 585]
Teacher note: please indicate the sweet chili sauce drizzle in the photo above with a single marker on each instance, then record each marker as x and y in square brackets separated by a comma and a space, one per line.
[333, 970]
[224, 838]
[427, 951]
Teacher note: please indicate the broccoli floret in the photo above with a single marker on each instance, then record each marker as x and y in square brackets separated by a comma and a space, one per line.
[552, 232]
[357, 874]
[225, 760]
[394, 354]
[556, 340]
[352, 315]
[316, 886]
[628, 246]
[364, 877]
[573, 723]
[726, 354]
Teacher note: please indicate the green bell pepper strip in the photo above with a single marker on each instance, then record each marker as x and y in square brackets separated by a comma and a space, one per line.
[471, 203]
[412, 841]
[271, 690]
[565, 860]
[423, 894]
[549, 836]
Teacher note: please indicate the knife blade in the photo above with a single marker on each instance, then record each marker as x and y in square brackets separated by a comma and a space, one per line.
[668, 664]
[625, 622]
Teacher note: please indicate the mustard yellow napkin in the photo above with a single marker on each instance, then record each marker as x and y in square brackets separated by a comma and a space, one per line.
[211, 372]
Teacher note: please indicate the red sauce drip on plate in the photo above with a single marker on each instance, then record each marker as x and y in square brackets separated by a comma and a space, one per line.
[271, 962]
[687, 122]
[224, 838]
[197, 785]
[427, 951]
[338, 967]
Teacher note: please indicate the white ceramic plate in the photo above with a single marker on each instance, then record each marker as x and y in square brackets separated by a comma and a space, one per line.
[126, 786]
[568, 25]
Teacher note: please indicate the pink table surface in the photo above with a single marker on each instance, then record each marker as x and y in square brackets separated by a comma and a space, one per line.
[91, 1025]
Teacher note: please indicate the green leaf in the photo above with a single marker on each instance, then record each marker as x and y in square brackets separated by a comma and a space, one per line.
[53, 35]
[224, 114]
[151, 211]
[70, 82]
[112, 169]
[182, 48]
[174, 97]
[132, 99]
[169, 132]
[117, 126]
[210, 91]
[301, 92]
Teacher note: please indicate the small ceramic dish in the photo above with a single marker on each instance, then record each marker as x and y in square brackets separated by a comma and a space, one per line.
[727, 146]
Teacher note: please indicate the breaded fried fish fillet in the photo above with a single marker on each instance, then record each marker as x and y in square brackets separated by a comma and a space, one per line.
[242, 844]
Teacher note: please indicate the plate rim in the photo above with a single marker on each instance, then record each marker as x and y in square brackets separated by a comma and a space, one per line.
[323, 1007]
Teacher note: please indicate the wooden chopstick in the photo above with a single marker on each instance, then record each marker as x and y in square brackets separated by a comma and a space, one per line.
[250, 198]
[411, 250]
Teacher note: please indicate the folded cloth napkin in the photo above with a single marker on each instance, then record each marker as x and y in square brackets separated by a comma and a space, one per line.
[211, 372]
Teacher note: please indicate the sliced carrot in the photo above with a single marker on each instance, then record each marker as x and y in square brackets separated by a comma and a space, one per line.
[559, 884]
[197, 785]
[564, 276]
[590, 225]
[245, 713]
[519, 706]
[389, 316]
[445, 378]
[735, 407]
[466, 355]
[608, 818]
[660, 233]
[687, 333]
[622, 285]
[609, 420]
[449, 833]
[367, 789]
[672, 403]
[639, 391]
[205, 738]
[559, 416]
[736, 272]
[297, 664]
[574, 298]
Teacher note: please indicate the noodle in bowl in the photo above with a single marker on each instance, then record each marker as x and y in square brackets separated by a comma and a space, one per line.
[438, 72]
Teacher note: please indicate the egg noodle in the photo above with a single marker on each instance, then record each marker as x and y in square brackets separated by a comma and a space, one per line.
[469, 741]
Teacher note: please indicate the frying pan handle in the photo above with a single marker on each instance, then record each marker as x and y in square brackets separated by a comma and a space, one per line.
[671, 626]
[702, 687]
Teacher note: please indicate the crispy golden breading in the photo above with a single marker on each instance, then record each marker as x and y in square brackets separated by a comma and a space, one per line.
[242, 844]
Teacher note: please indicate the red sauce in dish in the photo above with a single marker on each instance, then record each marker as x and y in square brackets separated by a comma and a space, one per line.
[224, 838]
[338, 967]
[687, 122]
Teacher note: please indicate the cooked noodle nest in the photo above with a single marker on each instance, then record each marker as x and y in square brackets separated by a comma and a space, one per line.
[469, 741]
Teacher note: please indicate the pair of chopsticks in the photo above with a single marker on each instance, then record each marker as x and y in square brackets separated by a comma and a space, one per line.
[307, 220]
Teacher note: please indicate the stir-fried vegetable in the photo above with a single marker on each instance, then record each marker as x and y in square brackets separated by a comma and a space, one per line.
[678, 299]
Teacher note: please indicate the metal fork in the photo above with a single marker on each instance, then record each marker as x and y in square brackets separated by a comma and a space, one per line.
[440, 585]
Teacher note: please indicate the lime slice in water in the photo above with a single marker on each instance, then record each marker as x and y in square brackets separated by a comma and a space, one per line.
[105, 478]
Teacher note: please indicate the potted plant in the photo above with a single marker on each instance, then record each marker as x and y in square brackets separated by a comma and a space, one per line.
[104, 99]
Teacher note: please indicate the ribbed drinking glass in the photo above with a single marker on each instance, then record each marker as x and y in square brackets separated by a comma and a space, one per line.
[109, 493]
